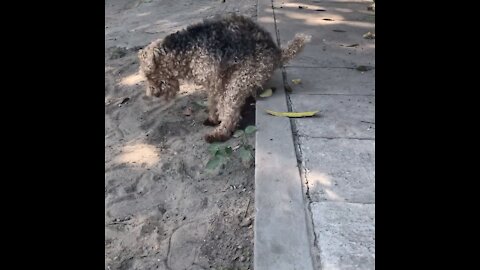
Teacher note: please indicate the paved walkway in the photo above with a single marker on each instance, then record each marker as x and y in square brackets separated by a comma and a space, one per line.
[315, 177]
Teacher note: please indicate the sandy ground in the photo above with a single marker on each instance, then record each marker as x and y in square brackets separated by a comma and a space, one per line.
[163, 210]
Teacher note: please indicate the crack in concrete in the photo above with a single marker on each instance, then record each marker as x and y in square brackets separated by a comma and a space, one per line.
[298, 153]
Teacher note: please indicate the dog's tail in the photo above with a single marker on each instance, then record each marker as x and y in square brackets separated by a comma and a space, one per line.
[294, 47]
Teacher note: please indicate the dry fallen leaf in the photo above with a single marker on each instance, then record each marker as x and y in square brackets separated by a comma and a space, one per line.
[292, 114]
[364, 68]
[369, 35]
[352, 45]
[296, 81]
[288, 88]
[125, 100]
[268, 92]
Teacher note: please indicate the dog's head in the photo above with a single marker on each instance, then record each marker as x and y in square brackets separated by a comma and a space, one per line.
[163, 88]
[153, 66]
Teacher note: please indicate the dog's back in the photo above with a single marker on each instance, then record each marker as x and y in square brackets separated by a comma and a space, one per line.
[229, 39]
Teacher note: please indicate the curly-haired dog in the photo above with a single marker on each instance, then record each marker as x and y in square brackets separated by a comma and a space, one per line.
[231, 57]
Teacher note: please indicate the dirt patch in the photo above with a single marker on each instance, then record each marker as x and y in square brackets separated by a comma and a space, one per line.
[163, 210]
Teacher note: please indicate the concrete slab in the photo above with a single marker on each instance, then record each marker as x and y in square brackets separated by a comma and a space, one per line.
[330, 53]
[332, 81]
[333, 31]
[339, 117]
[336, 11]
[341, 170]
[281, 239]
[346, 234]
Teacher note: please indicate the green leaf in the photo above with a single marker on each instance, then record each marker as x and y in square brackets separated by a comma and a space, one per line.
[238, 133]
[214, 148]
[250, 129]
[223, 152]
[214, 162]
[228, 150]
[245, 154]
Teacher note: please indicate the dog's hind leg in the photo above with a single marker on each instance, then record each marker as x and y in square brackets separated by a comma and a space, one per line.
[241, 85]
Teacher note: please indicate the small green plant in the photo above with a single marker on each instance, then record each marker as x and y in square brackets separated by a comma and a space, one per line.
[221, 153]
[245, 151]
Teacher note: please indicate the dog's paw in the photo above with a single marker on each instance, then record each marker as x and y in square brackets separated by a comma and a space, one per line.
[210, 123]
[215, 137]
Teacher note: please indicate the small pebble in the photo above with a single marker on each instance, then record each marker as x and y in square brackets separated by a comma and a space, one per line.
[246, 222]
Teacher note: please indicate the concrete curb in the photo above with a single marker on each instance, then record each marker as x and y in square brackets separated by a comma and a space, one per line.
[281, 238]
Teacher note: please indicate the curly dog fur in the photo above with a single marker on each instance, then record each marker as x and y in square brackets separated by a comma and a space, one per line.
[230, 57]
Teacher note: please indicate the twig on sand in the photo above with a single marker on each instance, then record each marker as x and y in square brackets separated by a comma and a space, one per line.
[246, 210]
